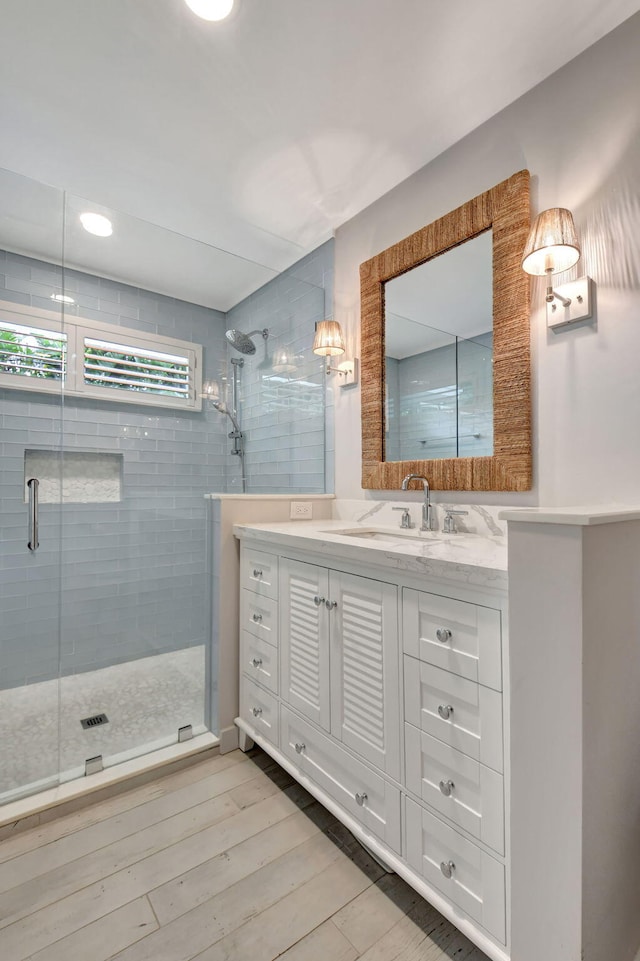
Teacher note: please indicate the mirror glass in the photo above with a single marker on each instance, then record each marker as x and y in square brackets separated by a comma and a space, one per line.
[438, 336]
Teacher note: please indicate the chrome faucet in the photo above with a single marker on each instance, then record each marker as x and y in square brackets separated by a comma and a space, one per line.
[426, 506]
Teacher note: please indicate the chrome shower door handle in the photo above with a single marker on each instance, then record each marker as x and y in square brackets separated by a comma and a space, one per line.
[33, 543]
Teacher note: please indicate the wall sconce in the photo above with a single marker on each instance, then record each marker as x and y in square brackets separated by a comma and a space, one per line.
[329, 342]
[284, 361]
[551, 248]
[210, 391]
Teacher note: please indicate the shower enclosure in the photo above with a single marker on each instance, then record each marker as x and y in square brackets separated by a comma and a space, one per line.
[108, 452]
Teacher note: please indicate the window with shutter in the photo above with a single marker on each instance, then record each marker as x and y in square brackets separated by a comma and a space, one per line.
[83, 357]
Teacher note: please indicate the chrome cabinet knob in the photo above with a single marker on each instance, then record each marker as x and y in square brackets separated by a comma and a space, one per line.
[443, 634]
[256, 572]
[447, 868]
[257, 618]
[446, 787]
[361, 798]
[318, 601]
[330, 605]
[256, 662]
[300, 747]
[445, 711]
[256, 711]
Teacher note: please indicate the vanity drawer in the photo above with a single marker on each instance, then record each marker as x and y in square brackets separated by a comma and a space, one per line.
[259, 709]
[463, 790]
[365, 795]
[259, 616]
[459, 712]
[259, 661]
[477, 880]
[454, 635]
[259, 572]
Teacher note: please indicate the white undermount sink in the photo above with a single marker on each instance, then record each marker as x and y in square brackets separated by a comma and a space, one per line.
[389, 535]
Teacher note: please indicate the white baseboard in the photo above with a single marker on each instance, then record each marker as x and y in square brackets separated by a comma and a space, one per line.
[228, 739]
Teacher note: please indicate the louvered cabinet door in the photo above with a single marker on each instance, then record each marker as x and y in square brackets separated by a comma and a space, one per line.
[363, 625]
[304, 639]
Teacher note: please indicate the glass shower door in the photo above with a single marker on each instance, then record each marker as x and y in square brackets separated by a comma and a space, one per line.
[33, 359]
[140, 453]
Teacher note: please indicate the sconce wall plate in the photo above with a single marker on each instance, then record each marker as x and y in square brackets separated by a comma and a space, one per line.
[349, 372]
[579, 293]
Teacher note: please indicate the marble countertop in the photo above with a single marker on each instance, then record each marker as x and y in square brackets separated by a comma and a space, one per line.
[578, 516]
[467, 558]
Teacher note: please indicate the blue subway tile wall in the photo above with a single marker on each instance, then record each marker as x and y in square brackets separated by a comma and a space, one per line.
[133, 573]
[282, 397]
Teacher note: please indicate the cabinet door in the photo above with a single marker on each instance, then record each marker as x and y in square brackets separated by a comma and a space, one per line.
[365, 712]
[304, 639]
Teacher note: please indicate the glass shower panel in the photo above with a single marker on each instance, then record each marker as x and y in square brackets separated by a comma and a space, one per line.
[141, 450]
[475, 396]
[282, 387]
[33, 361]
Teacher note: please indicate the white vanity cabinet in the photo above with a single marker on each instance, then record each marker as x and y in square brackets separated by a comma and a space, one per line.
[388, 705]
[339, 660]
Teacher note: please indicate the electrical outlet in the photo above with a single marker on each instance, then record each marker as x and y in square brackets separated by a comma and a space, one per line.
[301, 511]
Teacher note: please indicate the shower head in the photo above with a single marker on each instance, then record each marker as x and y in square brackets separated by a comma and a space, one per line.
[243, 342]
[223, 409]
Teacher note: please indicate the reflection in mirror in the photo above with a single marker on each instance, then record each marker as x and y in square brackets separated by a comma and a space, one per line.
[438, 356]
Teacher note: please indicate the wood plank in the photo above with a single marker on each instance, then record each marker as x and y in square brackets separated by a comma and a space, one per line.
[277, 928]
[48, 925]
[203, 882]
[91, 813]
[100, 940]
[259, 788]
[409, 934]
[235, 906]
[47, 888]
[107, 831]
[325, 942]
[366, 919]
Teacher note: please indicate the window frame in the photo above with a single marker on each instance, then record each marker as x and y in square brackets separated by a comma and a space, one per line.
[77, 328]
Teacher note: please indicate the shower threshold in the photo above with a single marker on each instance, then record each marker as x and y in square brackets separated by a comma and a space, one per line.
[71, 790]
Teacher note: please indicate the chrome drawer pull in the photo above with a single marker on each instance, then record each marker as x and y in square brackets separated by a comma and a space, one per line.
[330, 605]
[256, 572]
[361, 798]
[256, 662]
[256, 711]
[318, 601]
[300, 747]
[443, 634]
[445, 711]
[447, 868]
[446, 787]
[257, 618]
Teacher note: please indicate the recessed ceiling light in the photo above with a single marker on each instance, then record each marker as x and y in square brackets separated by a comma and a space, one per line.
[96, 224]
[210, 9]
[62, 298]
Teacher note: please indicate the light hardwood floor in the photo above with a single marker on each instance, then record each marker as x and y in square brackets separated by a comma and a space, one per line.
[226, 860]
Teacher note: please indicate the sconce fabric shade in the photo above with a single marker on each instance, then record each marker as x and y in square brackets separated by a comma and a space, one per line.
[328, 341]
[552, 245]
[283, 361]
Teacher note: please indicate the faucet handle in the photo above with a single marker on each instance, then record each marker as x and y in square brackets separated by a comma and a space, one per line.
[405, 520]
[449, 526]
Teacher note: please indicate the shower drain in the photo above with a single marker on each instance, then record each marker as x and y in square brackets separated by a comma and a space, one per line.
[94, 721]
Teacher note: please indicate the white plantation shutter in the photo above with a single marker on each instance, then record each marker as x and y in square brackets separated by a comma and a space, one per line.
[34, 352]
[130, 368]
[84, 356]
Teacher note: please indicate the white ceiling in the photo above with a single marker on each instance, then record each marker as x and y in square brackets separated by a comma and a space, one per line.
[261, 134]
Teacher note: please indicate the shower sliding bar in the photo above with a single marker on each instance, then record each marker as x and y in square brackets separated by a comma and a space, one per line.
[33, 484]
